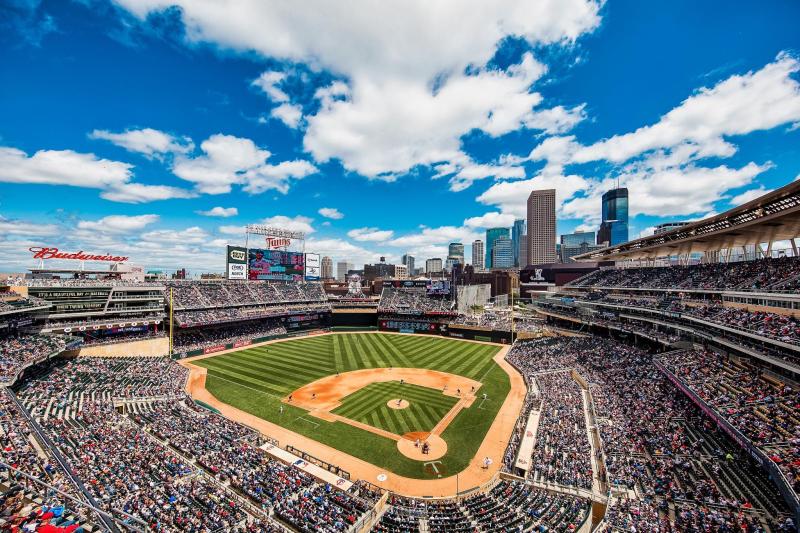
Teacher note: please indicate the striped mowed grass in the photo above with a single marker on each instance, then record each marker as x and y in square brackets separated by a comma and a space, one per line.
[370, 406]
[256, 380]
[280, 368]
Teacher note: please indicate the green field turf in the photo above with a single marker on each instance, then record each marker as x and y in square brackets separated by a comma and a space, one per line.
[369, 405]
[255, 379]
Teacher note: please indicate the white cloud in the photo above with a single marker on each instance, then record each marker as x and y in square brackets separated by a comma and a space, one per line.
[741, 104]
[512, 196]
[463, 172]
[32, 229]
[136, 193]
[65, 167]
[751, 194]
[342, 250]
[289, 114]
[62, 167]
[118, 224]
[434, 240]
[230, 160]
[223, 212]
[331, 212]
[147, 141]
[662, 170]
[408, 97]
[556, 120]
[269, 82]
[277, 177]
[192, 235]
[491, 220]
[298, 223]
[388, 127]
[669, 191]
[370, 234]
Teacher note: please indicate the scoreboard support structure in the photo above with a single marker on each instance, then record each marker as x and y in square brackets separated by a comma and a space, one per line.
[276, 238]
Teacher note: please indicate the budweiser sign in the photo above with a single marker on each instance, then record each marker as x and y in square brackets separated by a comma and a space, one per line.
[54, 253]
[278, 242]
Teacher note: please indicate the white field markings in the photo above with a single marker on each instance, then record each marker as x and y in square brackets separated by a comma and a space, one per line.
[304, 419]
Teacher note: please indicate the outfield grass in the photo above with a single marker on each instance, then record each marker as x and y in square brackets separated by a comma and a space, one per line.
[426, 407]
[255, 379]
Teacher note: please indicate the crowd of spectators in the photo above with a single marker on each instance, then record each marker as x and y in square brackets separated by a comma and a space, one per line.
[562, 452]
[218, 293]
[656, 442]
[18, 351]
[220, 315]
[11, 301]
[763, 274]
[762, 407]
[79, 282]
[197, 339]
[170, 463]
[17, 451]
[508, 506]
[230, 453]
[76, 323]
[18, 513]
[413, 299]
[773, 325]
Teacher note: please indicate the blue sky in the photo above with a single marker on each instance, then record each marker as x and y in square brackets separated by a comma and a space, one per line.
[159, 128]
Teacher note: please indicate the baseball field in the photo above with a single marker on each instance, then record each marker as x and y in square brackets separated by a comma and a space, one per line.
[363, 394]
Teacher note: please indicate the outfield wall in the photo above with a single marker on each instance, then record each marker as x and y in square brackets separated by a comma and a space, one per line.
[355, 318]
[430, 326]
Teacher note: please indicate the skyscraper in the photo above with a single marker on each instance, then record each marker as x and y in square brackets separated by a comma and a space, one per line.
[491, 235]
[517, 230]
[614, 227]
[523, 250]
[434, 264]
[456, 251]
[578, 238]
[341, 270]
[502, 253]
[477, 255]
[576, 243]
[542, 227]
[327, 267]
[408, 261]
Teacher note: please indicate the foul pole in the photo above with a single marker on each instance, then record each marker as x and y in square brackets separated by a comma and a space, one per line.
[171, 324]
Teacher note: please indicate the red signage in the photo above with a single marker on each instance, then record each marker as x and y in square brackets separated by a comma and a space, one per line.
[212, 349]
[275, 242]
[53, 253]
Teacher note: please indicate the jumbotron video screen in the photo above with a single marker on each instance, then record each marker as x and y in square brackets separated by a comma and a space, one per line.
[275, 265]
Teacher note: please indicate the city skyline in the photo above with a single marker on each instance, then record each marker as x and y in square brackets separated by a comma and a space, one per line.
[159, 133]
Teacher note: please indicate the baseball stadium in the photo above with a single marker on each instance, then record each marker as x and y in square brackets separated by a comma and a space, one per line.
[516, 266]
[604, 403]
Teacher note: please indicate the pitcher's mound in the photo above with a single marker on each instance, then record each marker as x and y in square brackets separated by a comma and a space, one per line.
[397, 404]
[437, 447]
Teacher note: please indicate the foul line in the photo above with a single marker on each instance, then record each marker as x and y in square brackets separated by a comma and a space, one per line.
[316, 425]
[243, 386]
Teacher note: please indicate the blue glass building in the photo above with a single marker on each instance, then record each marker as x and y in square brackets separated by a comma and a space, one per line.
[492, 234]
[614, 227]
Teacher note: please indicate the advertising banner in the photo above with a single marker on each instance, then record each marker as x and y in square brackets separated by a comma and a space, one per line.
[236, 262]
[313, 272]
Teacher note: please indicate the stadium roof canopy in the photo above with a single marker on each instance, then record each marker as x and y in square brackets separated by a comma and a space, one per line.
[767, 219]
